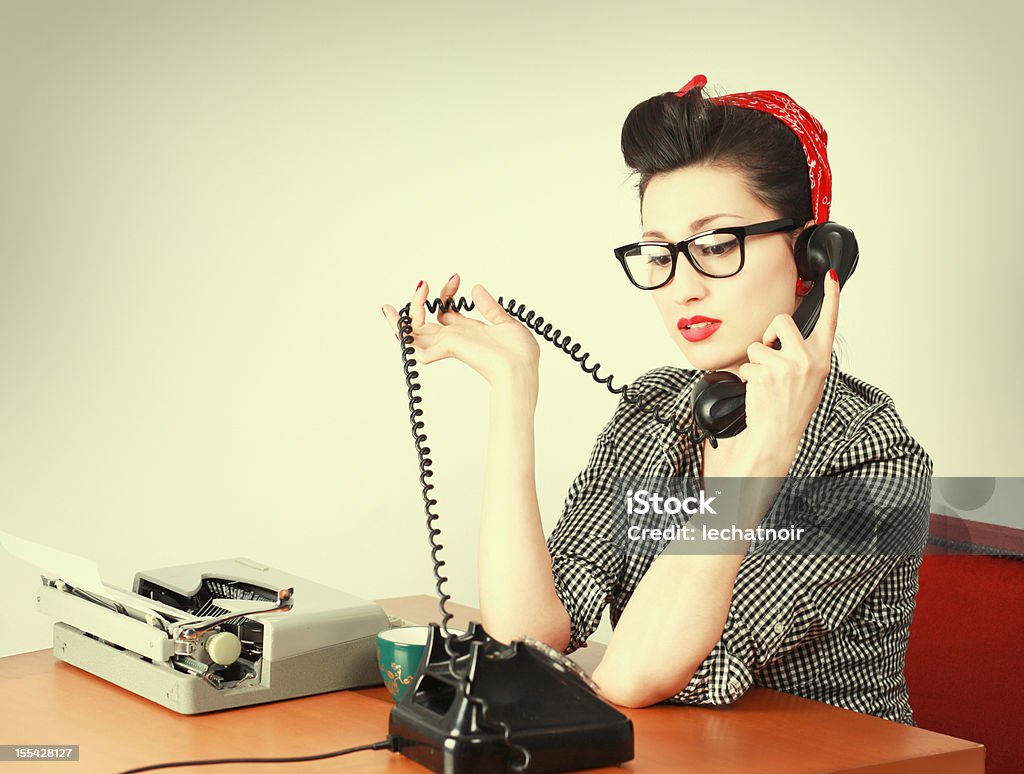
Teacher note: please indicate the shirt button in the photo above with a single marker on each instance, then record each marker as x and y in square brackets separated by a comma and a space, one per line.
[780, 627]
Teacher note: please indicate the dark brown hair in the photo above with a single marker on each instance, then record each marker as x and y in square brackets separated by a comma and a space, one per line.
[667, 132]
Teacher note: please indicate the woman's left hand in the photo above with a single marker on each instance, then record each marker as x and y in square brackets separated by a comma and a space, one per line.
[784, 387]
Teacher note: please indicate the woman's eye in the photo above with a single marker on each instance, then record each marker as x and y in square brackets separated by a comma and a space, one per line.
[659, 260]
[716, 251]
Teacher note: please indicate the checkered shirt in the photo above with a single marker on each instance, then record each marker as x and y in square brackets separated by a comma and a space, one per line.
[827, 625]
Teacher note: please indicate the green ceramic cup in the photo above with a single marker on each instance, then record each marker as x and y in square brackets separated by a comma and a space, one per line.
[399, 652]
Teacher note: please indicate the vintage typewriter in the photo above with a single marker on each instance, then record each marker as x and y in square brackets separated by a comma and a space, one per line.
[211, 636]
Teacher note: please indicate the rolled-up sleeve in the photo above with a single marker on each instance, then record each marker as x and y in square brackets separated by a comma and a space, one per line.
[870, 518]
[586, 558]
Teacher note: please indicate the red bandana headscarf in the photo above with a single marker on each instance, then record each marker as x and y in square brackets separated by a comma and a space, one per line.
[806, 127]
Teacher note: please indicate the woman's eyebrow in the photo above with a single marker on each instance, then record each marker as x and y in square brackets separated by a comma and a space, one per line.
[695, 225]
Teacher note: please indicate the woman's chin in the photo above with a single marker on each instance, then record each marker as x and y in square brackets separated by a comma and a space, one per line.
[708, 361]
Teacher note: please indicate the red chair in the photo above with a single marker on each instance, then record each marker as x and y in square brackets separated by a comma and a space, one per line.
[964, 668]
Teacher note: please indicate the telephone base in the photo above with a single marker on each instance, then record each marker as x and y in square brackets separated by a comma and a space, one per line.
[537, 712]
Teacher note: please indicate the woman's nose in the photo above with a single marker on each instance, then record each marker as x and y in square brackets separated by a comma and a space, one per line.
[687, 284]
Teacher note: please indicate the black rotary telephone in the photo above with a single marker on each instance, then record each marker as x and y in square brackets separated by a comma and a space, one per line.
[719, 398]
[479, 706]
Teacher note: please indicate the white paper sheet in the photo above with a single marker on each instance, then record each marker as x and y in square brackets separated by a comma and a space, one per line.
[78, 571]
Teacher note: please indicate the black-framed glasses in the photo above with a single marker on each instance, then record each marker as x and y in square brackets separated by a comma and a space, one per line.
[716, 253]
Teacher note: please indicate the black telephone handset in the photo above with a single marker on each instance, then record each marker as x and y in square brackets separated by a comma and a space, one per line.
[718, 400]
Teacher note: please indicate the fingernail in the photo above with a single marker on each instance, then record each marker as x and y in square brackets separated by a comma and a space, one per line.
[396, 337]
[452, 277]
[833, 275]
[420, 285]
[383, 312]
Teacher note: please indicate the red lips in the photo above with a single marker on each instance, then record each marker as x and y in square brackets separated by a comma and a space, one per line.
[698, 334]
[687, 321]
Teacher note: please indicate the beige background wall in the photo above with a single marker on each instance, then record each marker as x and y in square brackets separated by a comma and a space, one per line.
[203, 206]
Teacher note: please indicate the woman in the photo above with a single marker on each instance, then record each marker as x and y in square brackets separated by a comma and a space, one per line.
[830, 625]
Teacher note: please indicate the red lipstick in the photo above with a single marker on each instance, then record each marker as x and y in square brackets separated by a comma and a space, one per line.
[700, 333]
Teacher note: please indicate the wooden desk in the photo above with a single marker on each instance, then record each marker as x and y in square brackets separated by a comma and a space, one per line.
[44, 701]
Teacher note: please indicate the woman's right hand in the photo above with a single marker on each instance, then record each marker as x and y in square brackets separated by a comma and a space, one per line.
[497, 349]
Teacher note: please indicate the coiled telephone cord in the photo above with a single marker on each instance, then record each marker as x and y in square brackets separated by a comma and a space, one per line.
[549, 333]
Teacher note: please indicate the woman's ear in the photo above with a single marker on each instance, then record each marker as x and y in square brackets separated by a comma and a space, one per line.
[795, 235]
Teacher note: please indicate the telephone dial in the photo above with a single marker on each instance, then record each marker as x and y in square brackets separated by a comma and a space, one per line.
[477, 705]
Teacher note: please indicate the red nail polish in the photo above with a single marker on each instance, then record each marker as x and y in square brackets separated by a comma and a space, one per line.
[452, 277]
[420, 285]
[833, 275]
[383, 312]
